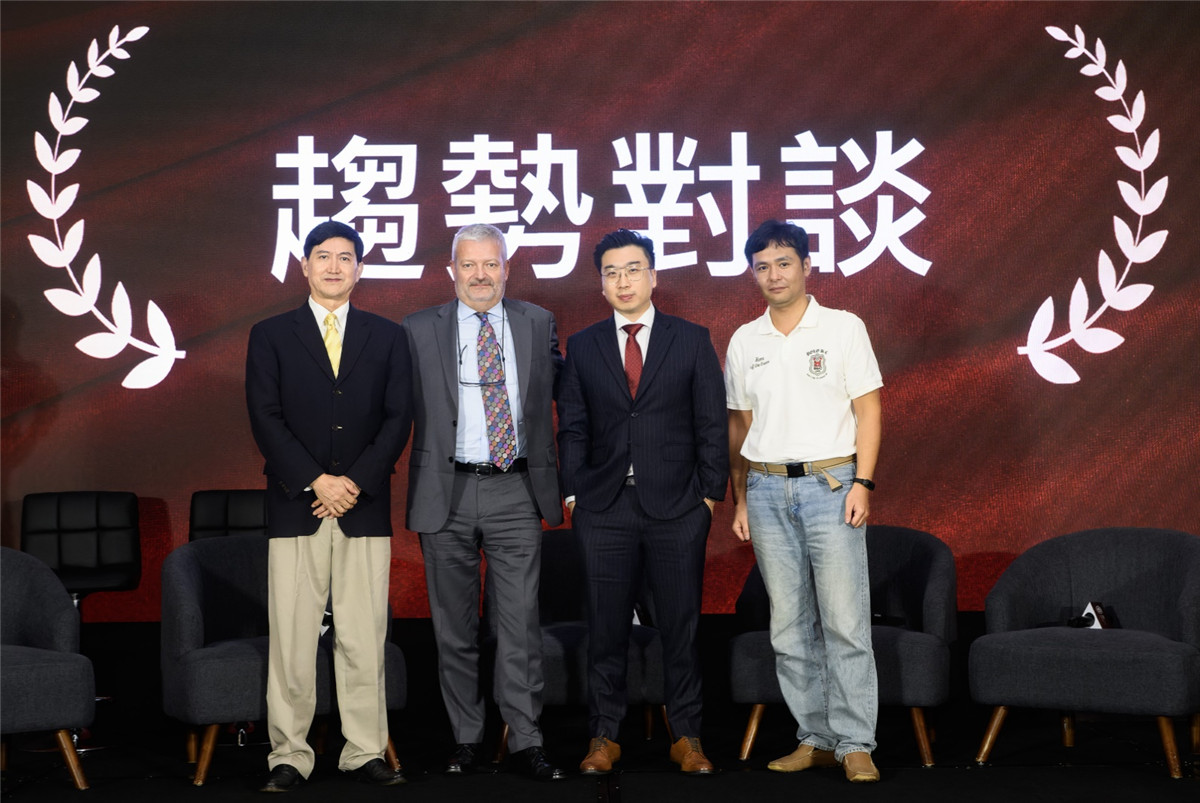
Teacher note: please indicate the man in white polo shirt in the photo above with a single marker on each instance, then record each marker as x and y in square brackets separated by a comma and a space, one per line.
[802, 386]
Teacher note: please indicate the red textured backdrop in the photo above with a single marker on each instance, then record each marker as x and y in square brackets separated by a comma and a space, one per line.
[178, 160]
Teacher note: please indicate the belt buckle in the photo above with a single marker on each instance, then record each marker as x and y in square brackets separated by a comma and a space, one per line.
[797, 470]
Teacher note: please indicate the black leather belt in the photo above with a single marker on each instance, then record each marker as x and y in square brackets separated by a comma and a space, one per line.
[487, 469]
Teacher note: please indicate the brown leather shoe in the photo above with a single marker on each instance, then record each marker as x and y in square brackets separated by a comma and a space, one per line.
[860, 768]
[802, 758]
[602, 753]
[689, 755]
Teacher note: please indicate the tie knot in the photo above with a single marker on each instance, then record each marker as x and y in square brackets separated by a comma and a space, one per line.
[330, 320]
[632, 329]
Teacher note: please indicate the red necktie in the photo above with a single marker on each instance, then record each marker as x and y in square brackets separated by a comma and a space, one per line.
[633, 357]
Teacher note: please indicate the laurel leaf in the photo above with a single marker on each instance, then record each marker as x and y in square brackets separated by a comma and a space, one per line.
[1119, 78]
[120, 53]
[48, 252]
[160, 328]
[1131, 297]
[1091, 69]
[122, 312]
[1053, 368]
[1107, 275]
[1156, 194]
[1043, 322]
[1074, 53]
[102, 345]
[65, 199]
[1130, 157]
[1138, 113]
[1079, 35]
[72, 242]
[73, 126]
[1150, 149]
[1133, 199]
[65, 161]
[1101, 54]
[1077, 312]
[40, 200]
[1109, 93]
[1098, 340]
[91, 280]
[93, 54]
[85, 95]
[149, 373]
[1122, 123]
[136, 34]
[1124, 237]
[1149, 247]
[68, 302]
[114, 36]
[56, 112]
[1058, 33]
[103, 71]
[72, 79]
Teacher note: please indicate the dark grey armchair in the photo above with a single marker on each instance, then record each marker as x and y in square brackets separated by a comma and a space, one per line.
[914, 610]
[1147, 580]
[215, 641]
[45, 684]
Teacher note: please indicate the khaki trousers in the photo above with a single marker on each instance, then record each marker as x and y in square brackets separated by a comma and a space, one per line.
[301, 573]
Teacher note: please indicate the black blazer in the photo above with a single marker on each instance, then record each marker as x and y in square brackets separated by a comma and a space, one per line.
[674, 434]
[308, 423]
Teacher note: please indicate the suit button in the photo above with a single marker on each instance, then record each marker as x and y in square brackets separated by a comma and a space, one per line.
[337, 392]
[337, 427]
[454, 423]
[633, 415]
[450, 459]
[337, 463]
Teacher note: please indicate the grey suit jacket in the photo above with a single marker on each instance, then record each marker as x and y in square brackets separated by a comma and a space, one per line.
[432, 342]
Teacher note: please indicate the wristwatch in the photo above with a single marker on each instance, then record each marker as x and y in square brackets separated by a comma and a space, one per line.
[868, 484]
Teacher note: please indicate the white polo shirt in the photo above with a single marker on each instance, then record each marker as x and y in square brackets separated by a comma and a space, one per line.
[800, 386]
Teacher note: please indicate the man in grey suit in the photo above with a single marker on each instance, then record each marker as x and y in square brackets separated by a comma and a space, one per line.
[482, 477]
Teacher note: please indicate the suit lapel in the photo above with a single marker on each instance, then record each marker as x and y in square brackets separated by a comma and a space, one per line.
[610, 353]
[661, 336]
[355, 340]
[445, 335]
[309, 334]
[522, 335]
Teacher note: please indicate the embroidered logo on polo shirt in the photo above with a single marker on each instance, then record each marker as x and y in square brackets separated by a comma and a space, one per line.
[759, 362]
[817, 367]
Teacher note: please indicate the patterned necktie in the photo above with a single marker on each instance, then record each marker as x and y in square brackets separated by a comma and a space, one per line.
[333, 342]
[502, 435]
[633, 357]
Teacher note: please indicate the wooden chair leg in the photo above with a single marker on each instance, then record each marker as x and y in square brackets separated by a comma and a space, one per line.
[393, 760]
[67, 748]
[922, 733]
[648, 721]
[207, 748]
[192, 745]
[667, 724]
[502, 746]
[1166, 729]
[756, 715]
[1196, 733]
[1068, 729]
[993, 729]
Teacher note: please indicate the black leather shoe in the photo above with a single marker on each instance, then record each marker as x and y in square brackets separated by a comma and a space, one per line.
[284, 778]
[377, 773]
[464, 759]
[533, 762]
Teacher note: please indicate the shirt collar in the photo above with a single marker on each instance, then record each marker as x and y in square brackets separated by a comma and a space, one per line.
[466, 313]
[647, 319]
[811, 313]
[320, 312]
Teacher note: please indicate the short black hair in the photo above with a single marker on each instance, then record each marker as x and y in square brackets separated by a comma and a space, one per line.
[619, 239]
[784, 235]
[330, 229]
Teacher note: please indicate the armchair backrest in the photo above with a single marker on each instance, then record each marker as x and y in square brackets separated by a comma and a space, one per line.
[35, 608]
[913, 580]
[220, 513]
[89, 538]
[1147, 579]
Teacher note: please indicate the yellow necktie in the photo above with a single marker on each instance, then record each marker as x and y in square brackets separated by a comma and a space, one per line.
[333, 342]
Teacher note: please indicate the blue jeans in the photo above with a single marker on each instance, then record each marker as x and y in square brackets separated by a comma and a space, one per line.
[815, 568]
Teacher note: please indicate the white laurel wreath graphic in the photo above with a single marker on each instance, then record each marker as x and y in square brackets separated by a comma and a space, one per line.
[64, 248]
[1136, 248]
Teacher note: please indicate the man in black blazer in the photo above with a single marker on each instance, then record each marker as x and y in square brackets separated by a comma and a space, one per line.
[328, 388]
[644, 457]
[482, 476]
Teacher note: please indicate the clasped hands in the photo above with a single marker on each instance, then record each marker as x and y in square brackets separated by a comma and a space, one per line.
[335, 496]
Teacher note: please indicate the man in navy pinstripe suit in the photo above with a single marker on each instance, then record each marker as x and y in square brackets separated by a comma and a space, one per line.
[643, 454]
